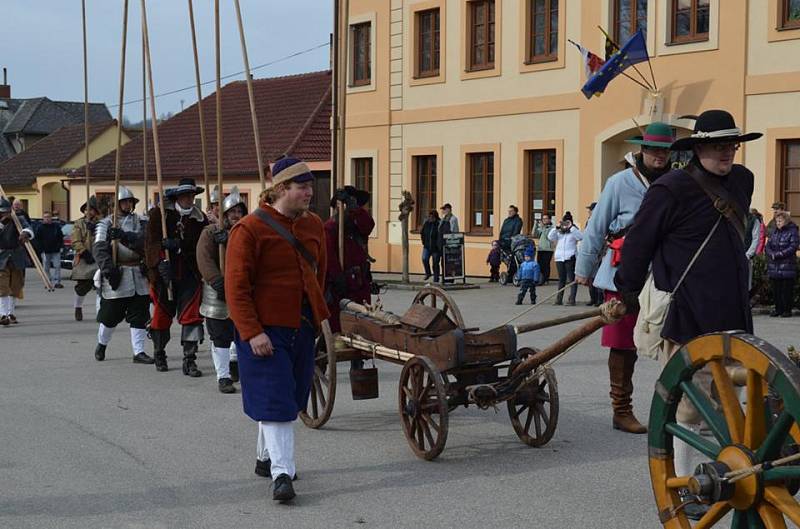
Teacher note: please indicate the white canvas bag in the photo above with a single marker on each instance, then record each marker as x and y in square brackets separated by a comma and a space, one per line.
[653, 308]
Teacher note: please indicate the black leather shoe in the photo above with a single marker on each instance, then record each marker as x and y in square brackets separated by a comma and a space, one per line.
[100, 352]
[282, 489]
[226, 386]
[774, 314]
[233, 366]
[262, 468]
[143, 358]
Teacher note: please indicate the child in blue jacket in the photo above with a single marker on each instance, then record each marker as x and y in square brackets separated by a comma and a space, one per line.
[529, 274]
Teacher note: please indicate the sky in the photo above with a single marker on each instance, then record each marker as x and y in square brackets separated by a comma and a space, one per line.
[41, 45]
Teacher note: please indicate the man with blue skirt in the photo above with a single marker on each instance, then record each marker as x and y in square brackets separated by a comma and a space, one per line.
[274, 281]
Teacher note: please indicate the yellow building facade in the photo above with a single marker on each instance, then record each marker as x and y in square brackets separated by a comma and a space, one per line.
[477, 103]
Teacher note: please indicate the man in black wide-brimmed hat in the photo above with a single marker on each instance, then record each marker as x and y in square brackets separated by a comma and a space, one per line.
[172, 264]
[691, 225]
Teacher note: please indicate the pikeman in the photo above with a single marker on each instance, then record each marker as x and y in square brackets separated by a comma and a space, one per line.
[354, 280]
[212, 213]
[213, 308]
[12, 261]
[84, 266]
[173, 270]
[123, 287]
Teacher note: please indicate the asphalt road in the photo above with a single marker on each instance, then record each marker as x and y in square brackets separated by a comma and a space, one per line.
[116, 445]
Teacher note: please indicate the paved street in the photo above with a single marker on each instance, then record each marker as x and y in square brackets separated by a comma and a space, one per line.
[116, 445]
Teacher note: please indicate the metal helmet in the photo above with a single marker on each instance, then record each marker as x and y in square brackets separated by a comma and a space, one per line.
[232, 200]
[215, 195]
[5, 205]
[126, 194]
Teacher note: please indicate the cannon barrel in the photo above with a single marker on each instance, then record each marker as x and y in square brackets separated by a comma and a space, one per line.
[352, 306]
[610, 312]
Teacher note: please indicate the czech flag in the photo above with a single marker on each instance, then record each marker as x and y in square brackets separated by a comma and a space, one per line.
[634, 51]
[591, 62]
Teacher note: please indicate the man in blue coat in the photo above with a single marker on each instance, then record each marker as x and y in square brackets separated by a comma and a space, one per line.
[599, 254]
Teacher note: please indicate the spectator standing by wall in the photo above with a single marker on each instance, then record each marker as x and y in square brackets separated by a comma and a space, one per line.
[493, 260]
[512, 225]
[448, 217]
[777, 207]
[544, 251]
[51, 241]
[752, 240]
[431, 250]
[566, 236]
[781, 252]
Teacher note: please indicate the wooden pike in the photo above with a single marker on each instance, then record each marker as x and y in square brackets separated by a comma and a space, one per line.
[218, 100]
[118, 154]
[144, 131]
[154, 118]
[200, 109]
[85, 102]
[29, 247]
[250, 96]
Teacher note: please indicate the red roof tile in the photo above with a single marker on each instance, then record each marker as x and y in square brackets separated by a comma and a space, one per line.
[51, 152]
[293, 118]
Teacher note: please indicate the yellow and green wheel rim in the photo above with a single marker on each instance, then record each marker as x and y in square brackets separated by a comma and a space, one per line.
[743, 435]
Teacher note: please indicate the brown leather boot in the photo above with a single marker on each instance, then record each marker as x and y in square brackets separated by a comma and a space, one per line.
[620, 369]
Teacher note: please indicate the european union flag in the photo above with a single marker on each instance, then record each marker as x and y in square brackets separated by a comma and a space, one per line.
[634, 51]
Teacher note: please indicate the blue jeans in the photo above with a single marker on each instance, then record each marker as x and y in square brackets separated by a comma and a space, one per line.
[427, 255]
[52, 267]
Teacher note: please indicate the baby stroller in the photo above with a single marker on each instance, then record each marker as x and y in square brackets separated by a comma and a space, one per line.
[512, 253]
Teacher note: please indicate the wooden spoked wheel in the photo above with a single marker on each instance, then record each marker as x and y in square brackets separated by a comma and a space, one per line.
[534, 409]
[323, 384]
[437, 298]
[744, 435]
[423, 407]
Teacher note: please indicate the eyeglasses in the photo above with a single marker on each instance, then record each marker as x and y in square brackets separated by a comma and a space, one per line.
[723, 147]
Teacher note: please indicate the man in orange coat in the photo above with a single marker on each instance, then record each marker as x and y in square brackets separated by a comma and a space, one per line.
[274, 279]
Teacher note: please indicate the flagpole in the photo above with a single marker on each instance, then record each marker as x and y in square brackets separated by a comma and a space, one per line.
[650, 88]
[650, 65]
[622, 73]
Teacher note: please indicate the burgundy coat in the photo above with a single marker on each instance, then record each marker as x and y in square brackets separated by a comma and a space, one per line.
[355, 280]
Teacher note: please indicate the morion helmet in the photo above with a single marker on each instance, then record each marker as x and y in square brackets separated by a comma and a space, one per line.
[215, 195]
[125, 194]
[232, 200]
[5, 205]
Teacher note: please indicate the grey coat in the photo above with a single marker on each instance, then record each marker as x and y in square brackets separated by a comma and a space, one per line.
[12, 253]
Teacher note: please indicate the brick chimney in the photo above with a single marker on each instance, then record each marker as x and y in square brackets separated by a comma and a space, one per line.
[5, 88]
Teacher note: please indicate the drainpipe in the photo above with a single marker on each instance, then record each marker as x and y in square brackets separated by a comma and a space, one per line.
[69, 202]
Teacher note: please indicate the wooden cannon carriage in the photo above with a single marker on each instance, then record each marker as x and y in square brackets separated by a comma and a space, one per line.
[750, 454]
[446, 365]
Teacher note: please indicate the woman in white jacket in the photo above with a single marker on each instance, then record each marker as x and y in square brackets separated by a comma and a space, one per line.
[566, 236]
